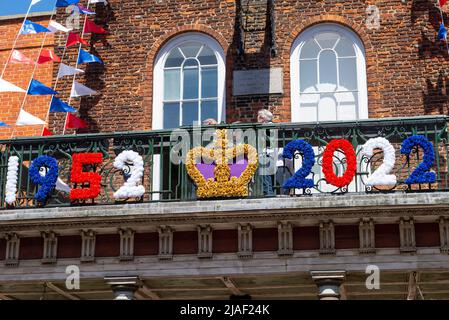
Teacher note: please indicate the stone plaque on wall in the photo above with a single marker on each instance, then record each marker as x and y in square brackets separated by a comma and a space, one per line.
[258, 81]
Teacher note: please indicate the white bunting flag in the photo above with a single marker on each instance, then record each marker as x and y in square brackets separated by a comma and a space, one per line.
[98, 1]
[79, 90]
[65, 70]
[62, 186]
[53, 26]
[27, 119]
[33, 2]
[6, 86]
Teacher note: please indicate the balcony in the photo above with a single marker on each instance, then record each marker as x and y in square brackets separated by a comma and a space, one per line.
[165, 177]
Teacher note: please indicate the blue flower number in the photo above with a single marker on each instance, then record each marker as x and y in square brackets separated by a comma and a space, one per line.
[422, 173]
[44, 172]
[298, 180]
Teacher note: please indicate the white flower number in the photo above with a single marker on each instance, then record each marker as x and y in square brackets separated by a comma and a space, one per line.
[11, 179]
[381, 176]
[132, 188]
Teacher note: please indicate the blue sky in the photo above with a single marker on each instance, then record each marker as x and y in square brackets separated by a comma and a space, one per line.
[11, 7]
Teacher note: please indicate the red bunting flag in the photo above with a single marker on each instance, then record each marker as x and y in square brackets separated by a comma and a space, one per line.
[90, 27]
[48, 55]
[46, 133]
[442, 3]
[74, 38]
[19, 57]
[73, 122]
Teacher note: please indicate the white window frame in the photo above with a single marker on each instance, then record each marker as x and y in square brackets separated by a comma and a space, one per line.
[158, 74]
[362, 111]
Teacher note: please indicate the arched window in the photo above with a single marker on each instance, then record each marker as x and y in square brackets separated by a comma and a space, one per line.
[328, 75]
[189, 82]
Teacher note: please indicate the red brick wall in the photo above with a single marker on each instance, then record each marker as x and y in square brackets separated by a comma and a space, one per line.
[20, 75]
[405, 63]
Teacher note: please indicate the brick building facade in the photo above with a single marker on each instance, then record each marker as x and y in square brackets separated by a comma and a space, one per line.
[320, 239]
[405, 62]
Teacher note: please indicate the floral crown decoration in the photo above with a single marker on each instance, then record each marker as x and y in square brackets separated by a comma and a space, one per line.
[223, 184]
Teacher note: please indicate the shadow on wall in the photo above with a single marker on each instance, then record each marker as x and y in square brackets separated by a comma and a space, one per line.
[94, 76]
[251, 48]
[433, 53]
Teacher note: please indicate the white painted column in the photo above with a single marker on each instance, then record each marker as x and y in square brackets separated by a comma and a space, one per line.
[328, 283]
[124, 288]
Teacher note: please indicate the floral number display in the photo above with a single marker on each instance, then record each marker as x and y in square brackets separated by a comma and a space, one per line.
[11, 180]
[421, 173]
[328, 170]
[298, 180]
[130, 162]
[381, 176]
[78, 176]
[44, 172]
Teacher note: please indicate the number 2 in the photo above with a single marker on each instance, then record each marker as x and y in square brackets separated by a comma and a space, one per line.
[421, 173]
[381, 176]
[298, 180]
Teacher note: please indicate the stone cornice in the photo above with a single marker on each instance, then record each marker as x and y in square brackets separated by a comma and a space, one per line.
[428, 206]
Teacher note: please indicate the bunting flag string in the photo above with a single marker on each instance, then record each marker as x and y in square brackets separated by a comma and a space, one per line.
[78, 89]
[36, 87]
[33, 2]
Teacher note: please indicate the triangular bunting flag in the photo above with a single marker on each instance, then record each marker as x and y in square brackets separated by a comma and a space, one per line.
[82, 10]
[98, 1]
[27, 119]
[90, 27]
[53, 26]
[73, 39]
[65, 3]
[6, 86]
[60, 106]
[442, 33]
[33, 2]
[86, 57]
[73, 122]
[442, 3]
[65, 70]
[46, 133]
[19, 57]
[2, 124]
[29, 27]
[48, 55]
[79, 90]
[38, 88]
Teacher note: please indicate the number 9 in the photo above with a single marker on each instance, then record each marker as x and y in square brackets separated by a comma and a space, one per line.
[44, 172]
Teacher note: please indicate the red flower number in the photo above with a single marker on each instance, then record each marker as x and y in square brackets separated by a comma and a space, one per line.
[328, 170]
[78, 176]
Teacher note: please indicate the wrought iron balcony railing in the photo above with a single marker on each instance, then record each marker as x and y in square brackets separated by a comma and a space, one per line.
[167, 180]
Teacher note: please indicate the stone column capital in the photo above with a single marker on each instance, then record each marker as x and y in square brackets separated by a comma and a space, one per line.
[328, 283]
